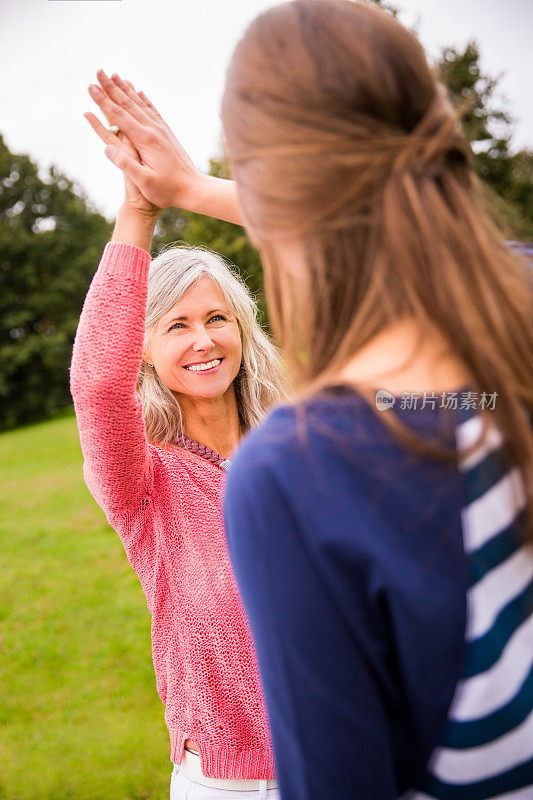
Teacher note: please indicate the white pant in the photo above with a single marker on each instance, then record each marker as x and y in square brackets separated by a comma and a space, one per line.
[181, 788]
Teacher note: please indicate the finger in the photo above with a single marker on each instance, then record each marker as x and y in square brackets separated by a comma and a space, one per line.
[149, 105]
[117, 96]
[141, 98]
[128, 90]
[125, 142]
[116, 115]
[129, 166]
[130, 84]
[105, 135]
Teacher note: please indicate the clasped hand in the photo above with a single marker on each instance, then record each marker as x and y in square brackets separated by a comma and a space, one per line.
[158, 172]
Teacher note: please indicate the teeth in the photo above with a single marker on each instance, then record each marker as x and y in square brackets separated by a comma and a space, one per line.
[202, 367]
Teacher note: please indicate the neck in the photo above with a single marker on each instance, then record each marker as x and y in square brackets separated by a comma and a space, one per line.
[406, 357]
[213, 422]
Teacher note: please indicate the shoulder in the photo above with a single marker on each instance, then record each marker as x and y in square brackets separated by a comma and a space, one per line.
[292, 430]
[309, 457]
[333, 464]
[335, 431]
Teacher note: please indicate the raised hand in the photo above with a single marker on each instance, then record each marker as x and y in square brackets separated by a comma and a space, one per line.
[164, 173]
[133, 196]
[140, 99]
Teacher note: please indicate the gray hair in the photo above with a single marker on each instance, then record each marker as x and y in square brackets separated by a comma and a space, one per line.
[260, 382]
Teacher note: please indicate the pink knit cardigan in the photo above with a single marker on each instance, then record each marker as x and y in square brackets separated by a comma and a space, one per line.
[165, 504]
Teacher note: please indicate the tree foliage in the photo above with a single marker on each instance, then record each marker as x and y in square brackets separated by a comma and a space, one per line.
[507, 175]
[461, 72]
[50, 244]
[488, 128]
[386, 6]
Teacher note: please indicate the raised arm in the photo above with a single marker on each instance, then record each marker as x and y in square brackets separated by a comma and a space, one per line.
[106, 361]
[164, 172]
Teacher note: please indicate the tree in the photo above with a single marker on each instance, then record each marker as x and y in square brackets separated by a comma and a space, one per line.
[50, 243]
[386, 6]
[488, 129]
[506, 176]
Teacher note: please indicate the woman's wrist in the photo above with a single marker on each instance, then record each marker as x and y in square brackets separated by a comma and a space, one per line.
[135, 226]
[213, 197]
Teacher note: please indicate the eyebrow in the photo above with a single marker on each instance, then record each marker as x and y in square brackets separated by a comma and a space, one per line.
[207, 314]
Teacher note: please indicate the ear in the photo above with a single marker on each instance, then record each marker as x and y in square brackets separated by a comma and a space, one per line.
[147, 357]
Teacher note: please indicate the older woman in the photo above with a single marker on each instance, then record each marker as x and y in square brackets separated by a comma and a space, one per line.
[169, 369]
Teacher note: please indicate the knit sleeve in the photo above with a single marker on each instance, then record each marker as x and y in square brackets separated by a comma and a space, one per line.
[105, 365]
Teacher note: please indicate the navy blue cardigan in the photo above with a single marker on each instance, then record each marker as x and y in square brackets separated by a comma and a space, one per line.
[349, 553]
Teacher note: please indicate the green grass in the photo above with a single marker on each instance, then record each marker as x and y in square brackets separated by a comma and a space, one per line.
[79, 712]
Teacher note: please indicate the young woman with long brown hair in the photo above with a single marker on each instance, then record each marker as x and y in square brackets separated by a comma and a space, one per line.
[381, 526]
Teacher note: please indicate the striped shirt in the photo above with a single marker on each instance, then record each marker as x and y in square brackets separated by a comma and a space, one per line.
[487, 750]
[391, 602]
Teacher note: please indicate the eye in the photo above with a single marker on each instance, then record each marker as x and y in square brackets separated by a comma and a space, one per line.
[176, 325]
[218, 318]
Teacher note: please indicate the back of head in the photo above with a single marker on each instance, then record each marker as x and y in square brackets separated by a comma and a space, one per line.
[325, 91]
[338, 134]
[340, 137]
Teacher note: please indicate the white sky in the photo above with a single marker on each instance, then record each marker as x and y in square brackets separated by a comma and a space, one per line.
[177, 52]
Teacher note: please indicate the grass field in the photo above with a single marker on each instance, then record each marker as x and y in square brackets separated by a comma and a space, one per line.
[79, 713]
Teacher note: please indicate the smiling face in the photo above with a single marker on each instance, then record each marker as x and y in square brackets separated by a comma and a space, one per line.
[196, 346]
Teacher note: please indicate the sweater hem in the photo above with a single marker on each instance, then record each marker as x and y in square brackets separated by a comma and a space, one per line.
[224, 761]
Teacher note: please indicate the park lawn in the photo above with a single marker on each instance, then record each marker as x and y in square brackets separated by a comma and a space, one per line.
[79, 712]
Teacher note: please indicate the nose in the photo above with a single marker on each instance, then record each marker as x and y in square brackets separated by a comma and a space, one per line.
[202, 341]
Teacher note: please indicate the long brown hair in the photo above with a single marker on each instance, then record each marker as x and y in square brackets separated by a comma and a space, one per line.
[339, 136]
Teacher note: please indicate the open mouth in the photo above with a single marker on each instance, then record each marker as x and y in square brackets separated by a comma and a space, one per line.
[206, 366]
